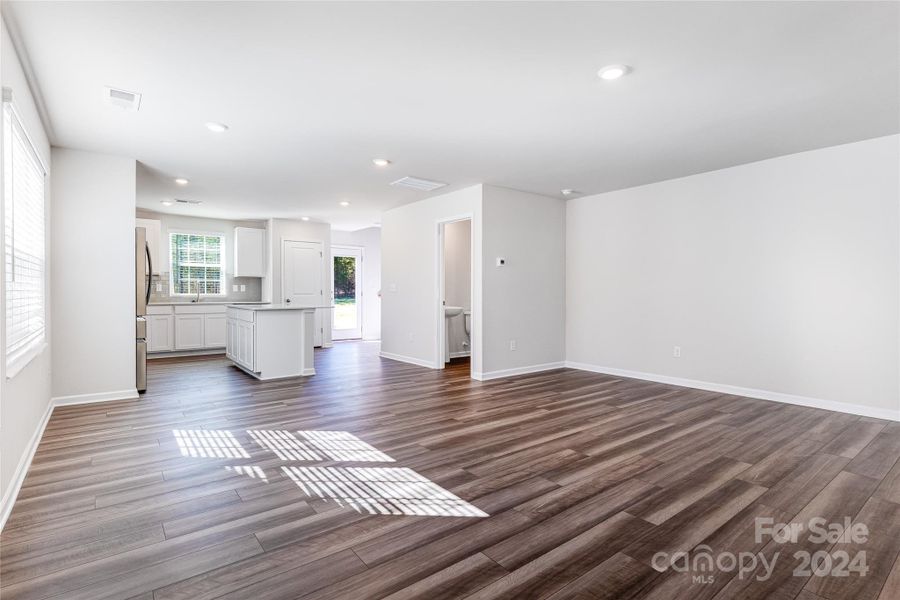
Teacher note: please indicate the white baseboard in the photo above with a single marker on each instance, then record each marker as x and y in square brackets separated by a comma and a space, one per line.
[184, 353]
[460, 354]
[9, 498]
[723, 388]
[407, 359]
[96, 397]
[485, 376]
[15, 484]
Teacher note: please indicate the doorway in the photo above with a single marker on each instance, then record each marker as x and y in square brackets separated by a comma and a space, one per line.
[346, 269]
[301, 278]
[455, 316]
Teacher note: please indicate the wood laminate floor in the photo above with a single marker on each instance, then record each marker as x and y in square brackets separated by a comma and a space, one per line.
[215, 485]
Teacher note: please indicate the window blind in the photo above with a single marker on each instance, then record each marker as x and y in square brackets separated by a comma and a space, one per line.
[197, 263]
[23, 201]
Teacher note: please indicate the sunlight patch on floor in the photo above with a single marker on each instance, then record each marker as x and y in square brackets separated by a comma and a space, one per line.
[370, 489]
[208, 443]
[251, 471]
[381, 491]
[284, 444]
[344, 446]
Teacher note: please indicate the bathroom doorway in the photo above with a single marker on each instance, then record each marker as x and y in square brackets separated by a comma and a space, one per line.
[455, 316]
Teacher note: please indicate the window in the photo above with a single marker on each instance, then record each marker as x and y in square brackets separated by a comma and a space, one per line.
[198, 263]
[23, 208]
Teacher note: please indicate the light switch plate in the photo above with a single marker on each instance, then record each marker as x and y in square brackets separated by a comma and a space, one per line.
[234, 288]
[243, 287]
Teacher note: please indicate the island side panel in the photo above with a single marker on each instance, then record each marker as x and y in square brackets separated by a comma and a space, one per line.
[279, 343]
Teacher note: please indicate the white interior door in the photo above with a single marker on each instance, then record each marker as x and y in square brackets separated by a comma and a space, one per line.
[346, 270]
[302, 283]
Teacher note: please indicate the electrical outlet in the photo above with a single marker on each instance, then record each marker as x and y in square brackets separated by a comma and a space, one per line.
[158, 287]
[392, 288]
[676, 352]
[512, 345]
[243, 287]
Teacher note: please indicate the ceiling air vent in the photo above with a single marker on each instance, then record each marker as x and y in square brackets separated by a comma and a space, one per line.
[123, 99]
[183, 201]
[418, 184]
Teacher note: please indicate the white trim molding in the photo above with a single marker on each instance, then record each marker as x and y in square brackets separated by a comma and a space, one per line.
[184, 353]
[487, 375]
[15, 484]
[408, 359]
[723, 388]
[96, 397]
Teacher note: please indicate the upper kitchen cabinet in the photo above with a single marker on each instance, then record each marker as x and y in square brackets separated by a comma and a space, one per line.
[154, 235]
[249, 252]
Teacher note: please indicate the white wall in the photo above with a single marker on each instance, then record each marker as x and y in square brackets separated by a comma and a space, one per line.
[458, 279]
[298, 231]
[369, 240]
[525, 300]
[93, 276]
[777, 276]
[24, 399]
[409, 274]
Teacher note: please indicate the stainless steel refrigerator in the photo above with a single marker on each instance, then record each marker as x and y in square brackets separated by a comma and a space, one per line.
[143, 278]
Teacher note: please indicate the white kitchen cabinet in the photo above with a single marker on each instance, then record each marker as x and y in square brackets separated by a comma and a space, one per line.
[214, 331]
[241, 343]
[160, 333]
[185, 327]
[249, 252]
[189, 331]
[154, 240]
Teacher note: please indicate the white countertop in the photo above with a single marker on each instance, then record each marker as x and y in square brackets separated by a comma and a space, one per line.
[211, 302]
[276, 306]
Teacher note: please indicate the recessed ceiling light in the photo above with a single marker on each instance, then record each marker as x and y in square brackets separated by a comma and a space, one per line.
[345, 203]
[166, 203]
[217, 127]
[304, 218]
[181, 181]
[613, 72]
[381, 162]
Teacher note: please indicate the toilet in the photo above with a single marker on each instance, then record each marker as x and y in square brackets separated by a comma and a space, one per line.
[467, 325]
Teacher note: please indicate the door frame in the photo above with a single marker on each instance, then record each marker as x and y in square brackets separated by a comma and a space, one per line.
[439, 289]
[360, 299]
[319, 337]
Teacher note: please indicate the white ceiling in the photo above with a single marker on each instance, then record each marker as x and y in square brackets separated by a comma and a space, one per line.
[500, 93]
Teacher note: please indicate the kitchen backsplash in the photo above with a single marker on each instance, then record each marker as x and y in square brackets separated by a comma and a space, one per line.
[252, 292]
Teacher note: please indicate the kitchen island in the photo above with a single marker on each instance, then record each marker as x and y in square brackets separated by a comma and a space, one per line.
[271, 341]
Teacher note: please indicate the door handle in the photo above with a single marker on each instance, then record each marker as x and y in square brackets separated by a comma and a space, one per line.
[287, 301]
[150, 271]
